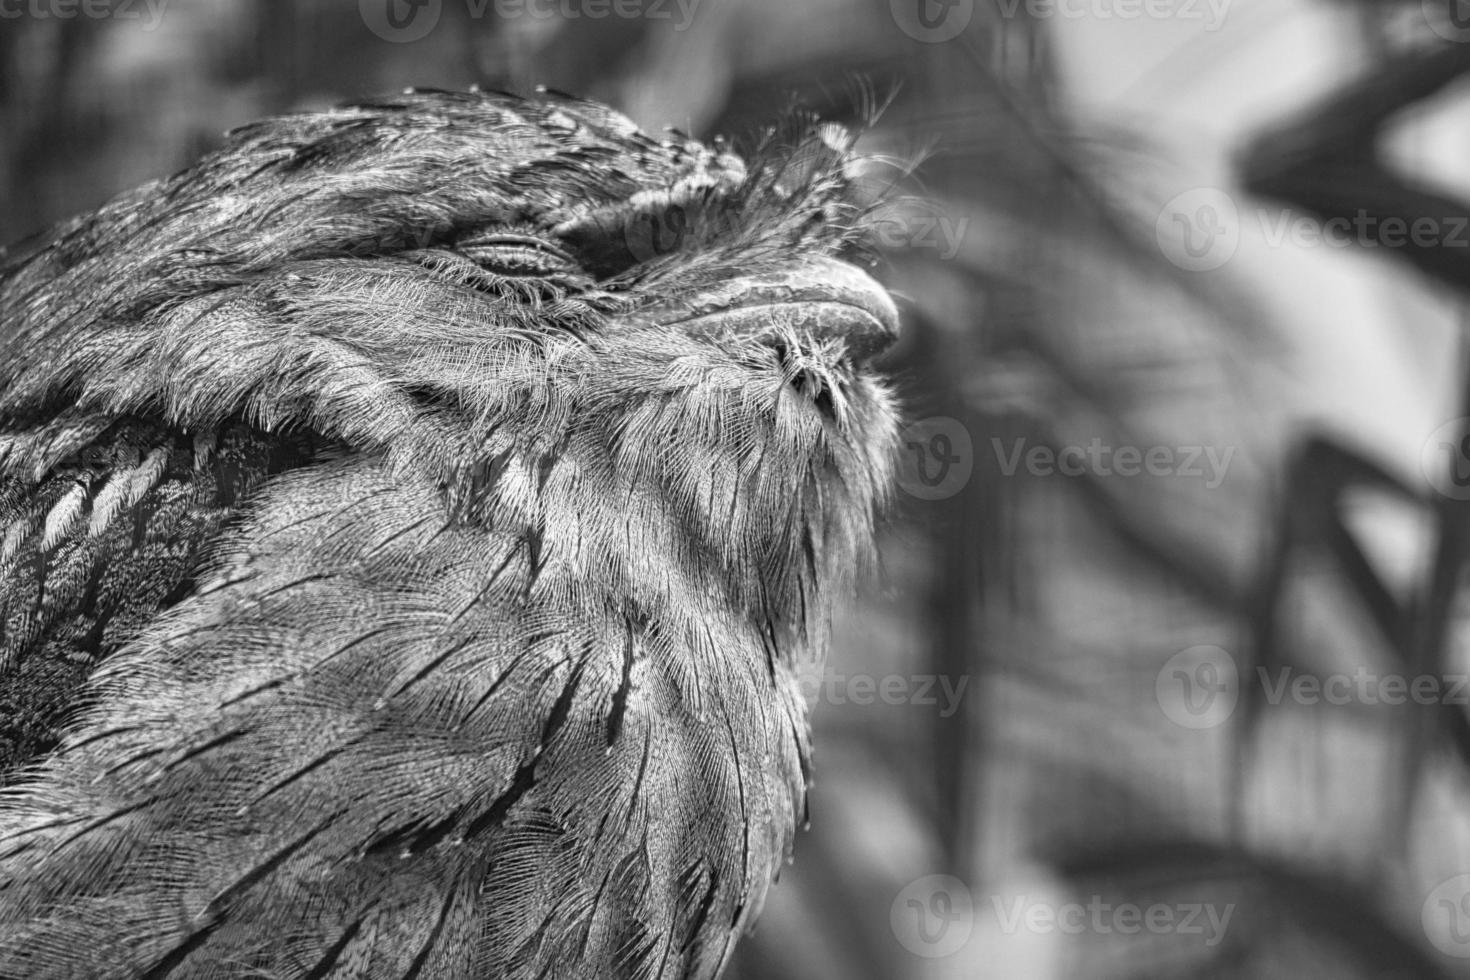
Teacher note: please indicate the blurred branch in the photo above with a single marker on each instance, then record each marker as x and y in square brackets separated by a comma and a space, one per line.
[1326, 162]
[1331, 914]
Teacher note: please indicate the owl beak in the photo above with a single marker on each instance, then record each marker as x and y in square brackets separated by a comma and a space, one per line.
[822, 298]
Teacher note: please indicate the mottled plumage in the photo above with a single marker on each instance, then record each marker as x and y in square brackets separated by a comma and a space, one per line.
[419, 556]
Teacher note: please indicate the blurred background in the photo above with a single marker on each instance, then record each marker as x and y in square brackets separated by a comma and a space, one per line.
[1165, 675]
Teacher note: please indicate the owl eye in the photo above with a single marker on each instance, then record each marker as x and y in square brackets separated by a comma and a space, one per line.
[516, 255]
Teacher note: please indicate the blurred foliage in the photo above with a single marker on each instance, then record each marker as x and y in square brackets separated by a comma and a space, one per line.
[1044, 314]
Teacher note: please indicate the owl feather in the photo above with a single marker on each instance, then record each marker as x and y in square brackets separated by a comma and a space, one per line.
[415, 518]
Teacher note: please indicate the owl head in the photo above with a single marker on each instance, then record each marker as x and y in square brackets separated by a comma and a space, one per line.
[657, 349]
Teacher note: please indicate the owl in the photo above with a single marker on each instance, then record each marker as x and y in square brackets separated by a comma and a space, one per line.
[416, 519]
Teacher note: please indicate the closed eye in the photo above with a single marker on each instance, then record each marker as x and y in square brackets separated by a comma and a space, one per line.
[510, 254]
